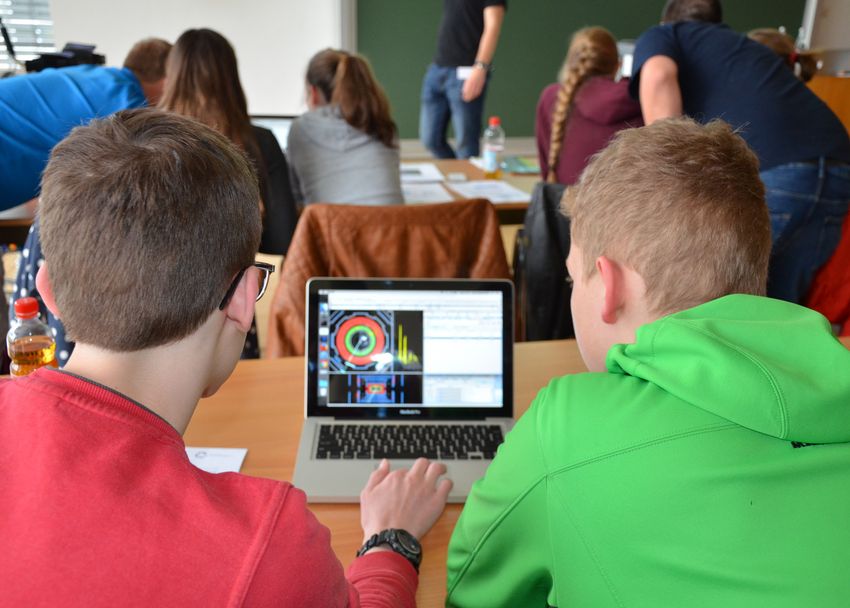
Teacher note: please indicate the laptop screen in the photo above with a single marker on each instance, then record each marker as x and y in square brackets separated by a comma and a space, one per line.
[409, 348]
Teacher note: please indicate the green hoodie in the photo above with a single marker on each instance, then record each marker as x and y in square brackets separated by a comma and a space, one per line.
[684, 476]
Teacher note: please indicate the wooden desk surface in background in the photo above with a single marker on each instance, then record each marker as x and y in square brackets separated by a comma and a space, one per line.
[261, 407]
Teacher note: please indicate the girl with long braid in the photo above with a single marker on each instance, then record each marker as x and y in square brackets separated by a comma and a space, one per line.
[578, 115]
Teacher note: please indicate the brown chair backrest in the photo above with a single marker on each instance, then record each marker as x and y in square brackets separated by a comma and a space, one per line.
[452, 240]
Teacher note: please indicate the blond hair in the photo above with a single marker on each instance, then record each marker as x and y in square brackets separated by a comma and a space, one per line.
[592, 52]
[783, 45]
[680, 203]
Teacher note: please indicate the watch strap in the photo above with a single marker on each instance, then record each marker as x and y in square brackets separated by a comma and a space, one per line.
[389, 538]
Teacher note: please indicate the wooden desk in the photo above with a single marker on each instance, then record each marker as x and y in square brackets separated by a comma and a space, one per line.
[261, 407]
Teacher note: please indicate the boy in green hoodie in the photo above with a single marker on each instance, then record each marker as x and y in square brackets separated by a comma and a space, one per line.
[705, 459]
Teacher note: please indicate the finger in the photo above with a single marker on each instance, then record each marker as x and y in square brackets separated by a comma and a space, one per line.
[435, 469]
[419, 467]
[444, 487]
[378, 474]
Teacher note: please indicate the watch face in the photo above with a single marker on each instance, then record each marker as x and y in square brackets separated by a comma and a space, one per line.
[409, 543]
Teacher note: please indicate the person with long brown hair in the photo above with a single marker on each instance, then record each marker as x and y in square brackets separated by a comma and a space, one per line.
[203, 83]
[345, 148]
[578, 115]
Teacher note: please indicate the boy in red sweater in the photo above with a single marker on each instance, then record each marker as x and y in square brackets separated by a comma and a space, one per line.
[150, 224]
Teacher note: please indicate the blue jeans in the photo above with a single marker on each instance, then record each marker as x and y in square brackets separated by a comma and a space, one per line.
[807, 203]
[441, 101]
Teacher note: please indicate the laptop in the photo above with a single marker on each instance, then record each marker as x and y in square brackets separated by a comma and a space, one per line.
[403, 368]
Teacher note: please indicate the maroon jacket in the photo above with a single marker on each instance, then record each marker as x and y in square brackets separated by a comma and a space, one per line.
[600, 109]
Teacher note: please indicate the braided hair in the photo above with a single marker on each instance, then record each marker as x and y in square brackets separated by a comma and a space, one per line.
[592, 52]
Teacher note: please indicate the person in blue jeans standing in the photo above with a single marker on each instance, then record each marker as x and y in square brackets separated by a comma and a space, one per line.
[456, 82]
[694, 64]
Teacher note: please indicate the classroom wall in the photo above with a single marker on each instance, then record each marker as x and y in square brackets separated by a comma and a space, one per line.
[273, 39]
[398, 37]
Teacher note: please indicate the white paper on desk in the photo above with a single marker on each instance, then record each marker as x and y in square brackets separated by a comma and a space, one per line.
[494, 190]
[217, 460]
[419, 173]
[425, 193]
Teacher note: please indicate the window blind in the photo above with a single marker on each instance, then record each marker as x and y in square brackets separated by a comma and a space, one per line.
[30, 28]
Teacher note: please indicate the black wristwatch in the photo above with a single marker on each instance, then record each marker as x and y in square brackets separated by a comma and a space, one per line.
[400, 541]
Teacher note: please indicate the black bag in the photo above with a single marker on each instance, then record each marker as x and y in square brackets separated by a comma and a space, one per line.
[540, 274]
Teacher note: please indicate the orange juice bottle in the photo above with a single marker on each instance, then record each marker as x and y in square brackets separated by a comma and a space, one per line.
[29, 342]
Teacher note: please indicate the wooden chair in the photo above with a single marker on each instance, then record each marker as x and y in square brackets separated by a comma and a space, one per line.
[452, 240]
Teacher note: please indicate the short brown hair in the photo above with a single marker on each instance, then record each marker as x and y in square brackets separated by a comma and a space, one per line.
[709, 11]
[680, 203]
[147, 59]
[146, 217]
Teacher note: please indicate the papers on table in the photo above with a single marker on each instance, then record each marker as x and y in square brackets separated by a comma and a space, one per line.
[217, 460]
[496, 191]
[420, 173]
[425, 193]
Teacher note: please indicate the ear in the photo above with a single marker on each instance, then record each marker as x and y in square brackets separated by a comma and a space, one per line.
[240, 309]
[45, 290]
[614, 283]
[314, 96]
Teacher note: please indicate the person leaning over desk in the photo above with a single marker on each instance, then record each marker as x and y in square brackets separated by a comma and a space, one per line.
[696, 65]
[100, 503]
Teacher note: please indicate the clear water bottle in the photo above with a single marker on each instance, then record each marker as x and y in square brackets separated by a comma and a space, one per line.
[29, 342]
[494, 146]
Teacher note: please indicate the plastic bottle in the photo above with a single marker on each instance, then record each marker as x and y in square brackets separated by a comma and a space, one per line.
[29, 342]
[494, 145]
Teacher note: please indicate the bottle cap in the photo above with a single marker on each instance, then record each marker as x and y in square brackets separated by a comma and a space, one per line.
[495, 121]
[26, 308]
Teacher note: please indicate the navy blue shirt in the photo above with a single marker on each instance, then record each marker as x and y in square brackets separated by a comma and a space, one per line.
[723, 74]
[461, 29]
[39, 110]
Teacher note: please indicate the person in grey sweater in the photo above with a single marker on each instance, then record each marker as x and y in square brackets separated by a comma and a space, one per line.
[345, 148]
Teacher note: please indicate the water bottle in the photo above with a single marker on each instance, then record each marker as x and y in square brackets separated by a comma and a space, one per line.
[494, 145]
[29, 342]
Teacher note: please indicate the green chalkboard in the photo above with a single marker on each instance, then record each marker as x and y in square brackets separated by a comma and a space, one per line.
[398, 38]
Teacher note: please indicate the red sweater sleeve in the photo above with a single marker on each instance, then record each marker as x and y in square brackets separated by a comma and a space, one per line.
[297, 567]
[383, 579]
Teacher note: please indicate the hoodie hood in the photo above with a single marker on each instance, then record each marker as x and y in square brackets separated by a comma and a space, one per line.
[326, 128]
[605, 102]
[764, 364]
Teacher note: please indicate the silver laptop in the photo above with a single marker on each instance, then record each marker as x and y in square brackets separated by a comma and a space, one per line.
[403, 368]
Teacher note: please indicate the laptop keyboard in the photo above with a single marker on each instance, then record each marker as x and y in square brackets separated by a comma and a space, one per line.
[441, 442]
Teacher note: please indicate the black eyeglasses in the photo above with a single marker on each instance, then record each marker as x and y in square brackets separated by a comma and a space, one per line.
[262, 282]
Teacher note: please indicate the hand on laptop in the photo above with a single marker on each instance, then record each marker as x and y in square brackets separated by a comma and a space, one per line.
[411, 499]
